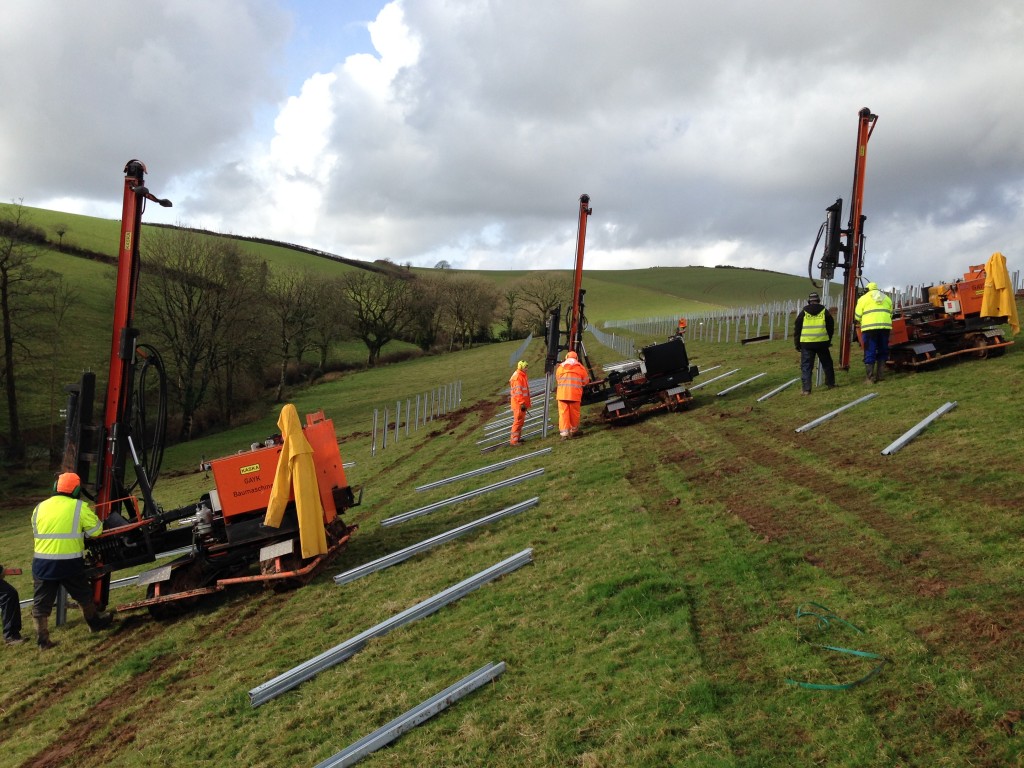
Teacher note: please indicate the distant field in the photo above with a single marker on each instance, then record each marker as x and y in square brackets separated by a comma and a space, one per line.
[610, 295]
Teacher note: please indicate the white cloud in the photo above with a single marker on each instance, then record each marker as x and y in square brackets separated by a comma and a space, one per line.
[705, 133]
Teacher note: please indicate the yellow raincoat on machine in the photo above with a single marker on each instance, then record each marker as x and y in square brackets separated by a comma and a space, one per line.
[296, 471]
[998, 299]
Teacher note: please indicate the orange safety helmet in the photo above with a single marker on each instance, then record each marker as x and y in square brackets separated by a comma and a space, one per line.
[67, 482]
[570, 356]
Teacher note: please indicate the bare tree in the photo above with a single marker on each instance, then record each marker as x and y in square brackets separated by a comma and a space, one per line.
[469, 305]
[540, 293]
[61, 229]
[293, 310]
[21, 286]
[378, 309]
[58, 303]
[511, 309]
[198, 298]
[425, 308]
[328, 326]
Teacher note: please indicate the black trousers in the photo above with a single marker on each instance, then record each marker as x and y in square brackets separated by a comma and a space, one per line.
[807, 354]
[10, 610]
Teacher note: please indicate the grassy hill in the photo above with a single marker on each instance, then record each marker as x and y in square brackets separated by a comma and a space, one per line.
[657, 624]
[611, 295]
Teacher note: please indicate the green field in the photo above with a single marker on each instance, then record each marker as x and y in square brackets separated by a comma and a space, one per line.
[657, 624]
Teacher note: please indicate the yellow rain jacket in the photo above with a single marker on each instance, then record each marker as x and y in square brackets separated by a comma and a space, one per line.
[998, 299]
[296, 471]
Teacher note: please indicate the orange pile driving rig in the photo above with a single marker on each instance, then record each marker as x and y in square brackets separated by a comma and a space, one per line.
[844, 248]
[955, 319]
[951, 319]
[277, 505]
[656, 382]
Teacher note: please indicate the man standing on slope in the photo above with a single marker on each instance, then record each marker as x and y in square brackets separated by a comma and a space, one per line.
[571, 377]
[59, 527]
[519, 388]
[813, 336]
[874, 316]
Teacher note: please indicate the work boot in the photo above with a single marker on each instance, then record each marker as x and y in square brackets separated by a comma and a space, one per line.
[95, 619]
[869, 373]
[879, 370]
[43, 633]
[14, 640]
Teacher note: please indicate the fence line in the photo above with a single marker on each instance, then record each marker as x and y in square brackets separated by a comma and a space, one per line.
[772, 319]
[428, 406]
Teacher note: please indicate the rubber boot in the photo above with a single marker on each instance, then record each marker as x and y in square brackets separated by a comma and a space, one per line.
[879, 370]
[869, 375]
[95, 619]
[43, 633]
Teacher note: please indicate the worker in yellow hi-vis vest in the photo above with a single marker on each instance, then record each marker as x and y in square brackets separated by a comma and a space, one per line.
[813, 337]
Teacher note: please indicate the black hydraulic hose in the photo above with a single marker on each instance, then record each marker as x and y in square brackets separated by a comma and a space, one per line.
[810, 261]
[152, 433]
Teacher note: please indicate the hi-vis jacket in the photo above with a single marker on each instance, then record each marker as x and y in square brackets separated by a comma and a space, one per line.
[874, 312]
[519, 385]
[571, 377]
[59, 527]
[814, 325]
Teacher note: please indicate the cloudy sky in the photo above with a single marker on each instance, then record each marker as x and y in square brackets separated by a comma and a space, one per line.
[705, 133]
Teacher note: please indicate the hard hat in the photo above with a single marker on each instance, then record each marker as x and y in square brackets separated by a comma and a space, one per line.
[68, 482]
[522, 365]
[570, 356]
[872, 286]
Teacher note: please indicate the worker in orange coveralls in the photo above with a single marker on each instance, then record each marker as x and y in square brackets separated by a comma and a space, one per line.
[571, 377]
[519, 388]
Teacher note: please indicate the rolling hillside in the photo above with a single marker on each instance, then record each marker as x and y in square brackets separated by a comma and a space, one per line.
[658, 292]
[659, 621]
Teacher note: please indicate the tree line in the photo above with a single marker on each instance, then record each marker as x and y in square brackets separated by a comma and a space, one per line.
[232, 332]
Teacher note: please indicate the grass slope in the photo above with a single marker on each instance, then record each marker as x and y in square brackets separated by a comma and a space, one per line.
[611, 295]
[657, 623]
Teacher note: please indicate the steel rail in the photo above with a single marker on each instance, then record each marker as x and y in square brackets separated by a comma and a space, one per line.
[418, 714]
[505, 442]
[404, 554]
[709, 381]
[776, 391]
[483, 470]
[737, 386]
[309, 669]
[504, 426]
[822, 419]
[461, 497]
[914, 431]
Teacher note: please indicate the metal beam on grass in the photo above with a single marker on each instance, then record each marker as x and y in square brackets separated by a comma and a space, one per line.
[461, 497]
[711, 381]
[503, 436]
[483, 470]
[309, 669]
[505, 443]
[727, 390]
[418, 714]
[506, 421]
[404, 554]
[914, 431]
[776, 391]
[822, 419]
